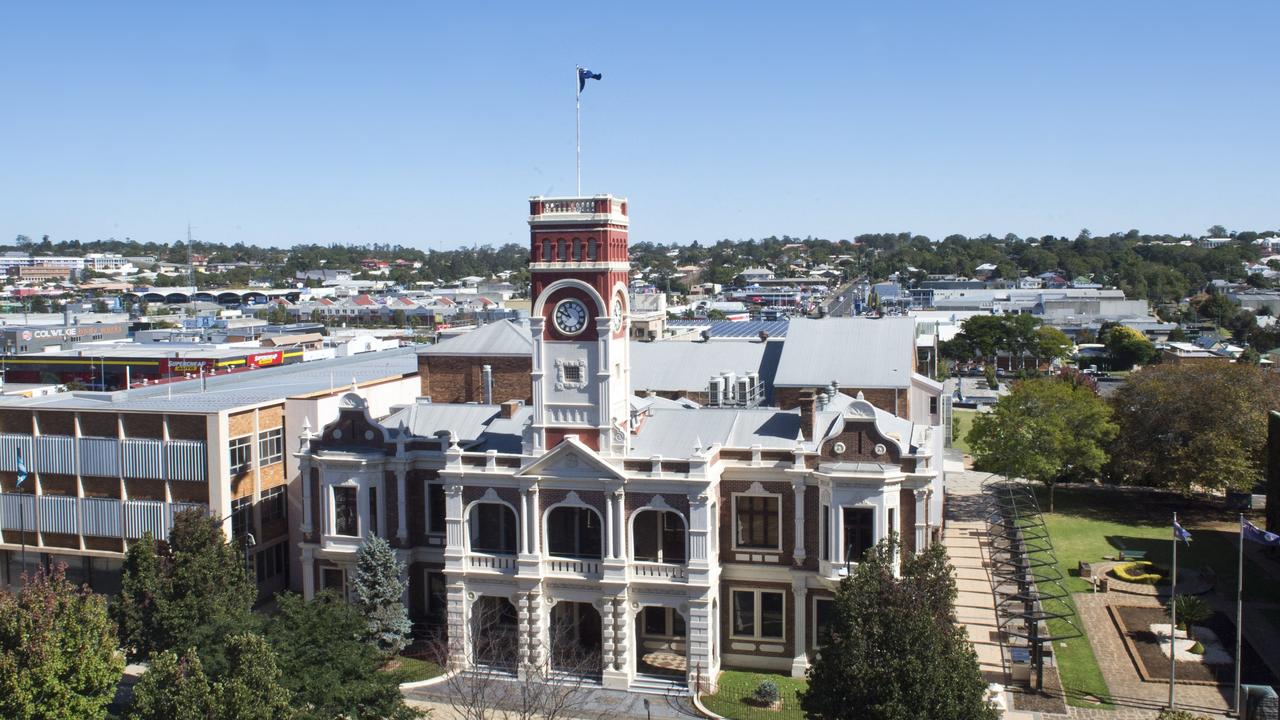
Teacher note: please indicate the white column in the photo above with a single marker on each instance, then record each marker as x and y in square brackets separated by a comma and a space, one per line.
[305, 474]
[402, 506]
[799, 595]
[522, 547]
[308, 573]
[619, 524]
[608, 524]
[797, 486]
[535, 522]
[922, 519]
[453, 518]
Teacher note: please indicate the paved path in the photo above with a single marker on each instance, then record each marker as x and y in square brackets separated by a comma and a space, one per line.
[595, 704]
[964, 537]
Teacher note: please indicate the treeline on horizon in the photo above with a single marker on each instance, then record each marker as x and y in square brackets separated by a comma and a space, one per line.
[1152, 266]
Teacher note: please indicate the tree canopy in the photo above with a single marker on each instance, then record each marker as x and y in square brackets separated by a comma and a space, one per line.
[895, 650]
[190, 592]
[1193, 426]
[1043, 429]
[58, 654]
[378, 589]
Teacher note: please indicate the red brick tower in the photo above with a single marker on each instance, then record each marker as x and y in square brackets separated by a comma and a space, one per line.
[579, 268]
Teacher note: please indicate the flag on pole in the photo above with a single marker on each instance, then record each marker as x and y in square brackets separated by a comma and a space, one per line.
[1253, 533]
[22, 468]
[1181, 533]
[584, 75]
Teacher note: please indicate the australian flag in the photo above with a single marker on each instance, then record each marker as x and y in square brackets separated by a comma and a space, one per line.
[1253, 533]
[1181, 533]
[584, 75]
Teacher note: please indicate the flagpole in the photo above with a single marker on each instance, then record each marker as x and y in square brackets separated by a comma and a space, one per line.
[1235, 699]
[1173, 618]
[577, 90]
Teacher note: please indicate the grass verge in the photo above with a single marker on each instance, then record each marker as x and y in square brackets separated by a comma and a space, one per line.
[735, 690]
[407, 669]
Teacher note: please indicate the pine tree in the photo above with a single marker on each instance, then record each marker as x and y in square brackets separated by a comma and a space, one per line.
[192, 592]
[251, 688]
[895, 650]
[58, 654]
[172, 688]
[134, 608]
[378, 589]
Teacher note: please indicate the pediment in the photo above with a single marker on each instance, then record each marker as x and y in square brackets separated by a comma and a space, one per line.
[571, 459]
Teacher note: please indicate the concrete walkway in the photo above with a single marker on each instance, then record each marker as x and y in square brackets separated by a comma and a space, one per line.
[593, 703]
[964, 537]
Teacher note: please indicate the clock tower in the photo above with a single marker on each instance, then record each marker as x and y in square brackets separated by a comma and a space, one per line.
[579, 267]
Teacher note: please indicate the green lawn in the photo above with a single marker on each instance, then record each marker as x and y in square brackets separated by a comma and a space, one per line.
[961, 421]
[736, 687]
[1088, 524]
[409, 669]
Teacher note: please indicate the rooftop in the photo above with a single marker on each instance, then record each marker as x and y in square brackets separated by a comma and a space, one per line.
[854, 352]
[225, 392]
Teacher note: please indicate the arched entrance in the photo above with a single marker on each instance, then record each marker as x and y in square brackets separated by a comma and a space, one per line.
[576, 640]
[662, 642]
[493, 633]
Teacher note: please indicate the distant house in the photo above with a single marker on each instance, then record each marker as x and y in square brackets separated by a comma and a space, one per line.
[984, 270]
[326, 277]
[751, 275]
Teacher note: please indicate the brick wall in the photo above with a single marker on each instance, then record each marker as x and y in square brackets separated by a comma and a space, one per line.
[140, 425]
[56, 423]
[240, 424]
[789, 398]
[453, 379]
[726, 618]
[98, 424]
[787, 527]
[187, 427]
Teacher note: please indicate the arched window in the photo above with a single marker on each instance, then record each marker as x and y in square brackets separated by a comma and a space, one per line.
[591, 249]
[560, 255]
[546, 251]
[574, 532]
[492, 528]
[576, 250]
[658, 536]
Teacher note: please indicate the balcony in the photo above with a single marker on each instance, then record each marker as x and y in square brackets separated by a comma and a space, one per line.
[659, 571]
[93, 517]
[586, 568]
[491, 563]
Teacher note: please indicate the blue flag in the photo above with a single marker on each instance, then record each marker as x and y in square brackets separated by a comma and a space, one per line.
[584, 75]
[1253, 533]
[22, 468]
[1180, 533]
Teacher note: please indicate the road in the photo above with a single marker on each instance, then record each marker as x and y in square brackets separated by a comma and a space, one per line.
[841, 303]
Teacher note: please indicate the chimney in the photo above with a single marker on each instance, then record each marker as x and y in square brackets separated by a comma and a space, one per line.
[808, 413]
[510, 407]
[486, 379]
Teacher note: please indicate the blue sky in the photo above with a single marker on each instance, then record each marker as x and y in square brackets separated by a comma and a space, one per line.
[429, 124]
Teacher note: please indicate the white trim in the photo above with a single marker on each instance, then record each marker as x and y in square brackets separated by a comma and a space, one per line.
[549, 290]
[570, 500]
[758, 637]
[756, 490]
[657, 504]
[489, 498]
[813, 618]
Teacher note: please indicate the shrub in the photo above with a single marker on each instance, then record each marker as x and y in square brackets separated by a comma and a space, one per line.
[1168, 714]
[1192, 610]
[1141, 572]
[767, 693]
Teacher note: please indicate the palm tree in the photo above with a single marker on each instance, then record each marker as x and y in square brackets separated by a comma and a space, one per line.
[1192, 610]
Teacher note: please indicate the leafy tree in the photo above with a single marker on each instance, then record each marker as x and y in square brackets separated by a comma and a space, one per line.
[1127, 347]
[1043, 429]
[199, 596]
[1193, 426]
[172, 688]
[325, 663]
[134, 607]
[58, 654]
[378, 589]
[252, 688]
[1051, 344]
[1178, 335]
[39, 304]
[895, 650]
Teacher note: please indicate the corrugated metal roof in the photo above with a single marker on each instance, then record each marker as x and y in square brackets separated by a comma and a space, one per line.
[223, 392]
[424, 419]
[854, 352]
[676, 366]
[506, 337]
[677, 433]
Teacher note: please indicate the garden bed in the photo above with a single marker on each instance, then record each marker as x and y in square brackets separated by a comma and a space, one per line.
[1152, 662]
[734, 696]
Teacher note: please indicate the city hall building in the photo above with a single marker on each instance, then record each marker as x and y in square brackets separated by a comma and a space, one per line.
[537, 500]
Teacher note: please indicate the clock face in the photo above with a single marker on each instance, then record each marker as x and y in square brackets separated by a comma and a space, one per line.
[618, 314]
[570, 316]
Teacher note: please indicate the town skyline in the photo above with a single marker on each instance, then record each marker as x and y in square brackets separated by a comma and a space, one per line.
[276, 128]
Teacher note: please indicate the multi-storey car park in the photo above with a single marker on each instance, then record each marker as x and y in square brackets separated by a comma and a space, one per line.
[530, 488]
